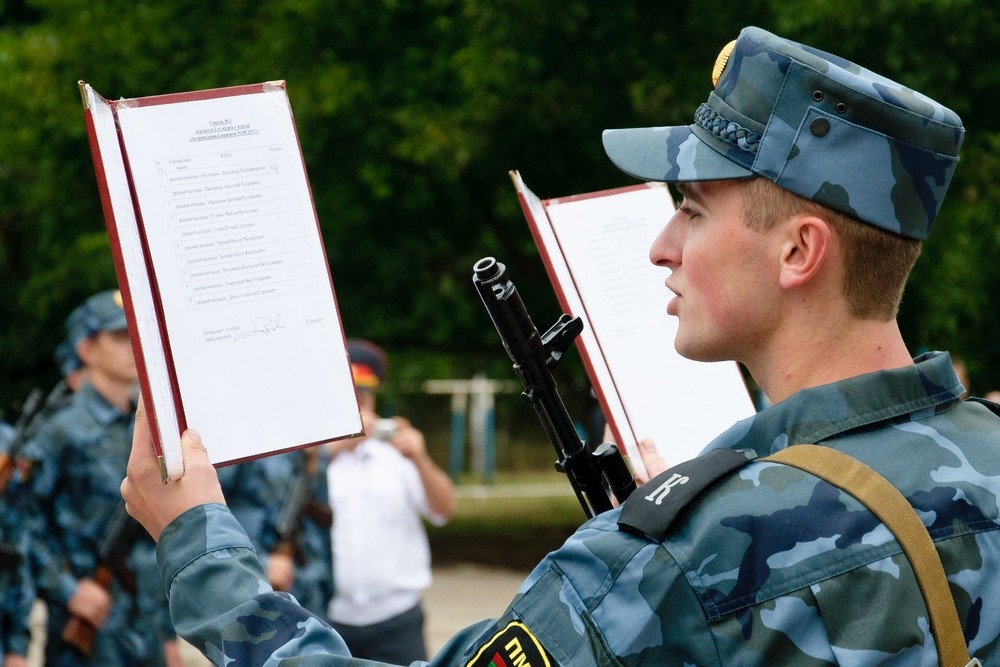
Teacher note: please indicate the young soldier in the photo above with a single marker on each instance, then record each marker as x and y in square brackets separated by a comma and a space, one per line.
[808, 185]
[70, 470]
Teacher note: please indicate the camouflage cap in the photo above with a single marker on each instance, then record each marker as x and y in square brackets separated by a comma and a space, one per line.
[100, 312]
[815, 124]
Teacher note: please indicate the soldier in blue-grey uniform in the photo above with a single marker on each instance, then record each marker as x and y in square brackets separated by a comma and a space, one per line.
[808, 184]
[289, 527]
[71, 469]
[307, 542]
[17, 590]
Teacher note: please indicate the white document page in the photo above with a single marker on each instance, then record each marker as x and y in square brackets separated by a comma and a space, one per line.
[250, 315]
[604, 241]
[562, 280]
[140, 295]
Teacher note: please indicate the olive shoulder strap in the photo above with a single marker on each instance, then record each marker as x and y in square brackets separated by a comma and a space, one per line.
[890, 507]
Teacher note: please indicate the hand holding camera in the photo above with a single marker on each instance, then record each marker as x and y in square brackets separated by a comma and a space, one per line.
[400, 433]
[385, 428]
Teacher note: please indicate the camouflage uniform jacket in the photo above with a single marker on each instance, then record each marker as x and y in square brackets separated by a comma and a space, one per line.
[770, 566]
[74, 466]
[16, 586]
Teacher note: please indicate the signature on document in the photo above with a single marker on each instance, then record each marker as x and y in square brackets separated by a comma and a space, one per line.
[262, 325]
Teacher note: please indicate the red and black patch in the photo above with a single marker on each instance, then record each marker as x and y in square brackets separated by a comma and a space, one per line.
[514, 646]
[23, 469]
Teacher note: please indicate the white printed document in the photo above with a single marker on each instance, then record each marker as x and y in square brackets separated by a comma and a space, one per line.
[227, 289]
[595, 247]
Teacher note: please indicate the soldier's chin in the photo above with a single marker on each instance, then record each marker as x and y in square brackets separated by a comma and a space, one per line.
[698, 350]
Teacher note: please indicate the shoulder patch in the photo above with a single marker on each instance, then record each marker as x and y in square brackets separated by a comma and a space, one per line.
[652, 509]
[22, 469]
[514, 646]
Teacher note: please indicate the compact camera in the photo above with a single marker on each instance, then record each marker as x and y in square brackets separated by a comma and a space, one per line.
[384, 429]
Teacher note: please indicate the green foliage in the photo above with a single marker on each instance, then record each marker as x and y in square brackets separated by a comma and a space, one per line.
[410, 116]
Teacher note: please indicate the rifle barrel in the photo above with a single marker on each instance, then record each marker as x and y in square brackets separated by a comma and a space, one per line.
[534, 356]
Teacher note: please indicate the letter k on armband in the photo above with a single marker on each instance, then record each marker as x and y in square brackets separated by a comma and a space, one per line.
[653, 513]
[663, 490]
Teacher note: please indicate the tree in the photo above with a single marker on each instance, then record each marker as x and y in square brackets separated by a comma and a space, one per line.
[410, 116]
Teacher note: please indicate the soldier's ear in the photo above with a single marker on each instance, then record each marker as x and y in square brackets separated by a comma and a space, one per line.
[806, 247]
[85, 350]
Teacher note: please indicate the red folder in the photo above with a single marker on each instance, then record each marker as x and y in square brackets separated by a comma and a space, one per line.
[220, 261]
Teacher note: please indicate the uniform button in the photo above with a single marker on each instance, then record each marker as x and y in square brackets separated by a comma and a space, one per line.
[819, 127]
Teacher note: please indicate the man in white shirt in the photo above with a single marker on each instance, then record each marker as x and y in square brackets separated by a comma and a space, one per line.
[382, 486]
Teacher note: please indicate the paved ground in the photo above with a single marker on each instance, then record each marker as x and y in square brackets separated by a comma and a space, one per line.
[464, 594]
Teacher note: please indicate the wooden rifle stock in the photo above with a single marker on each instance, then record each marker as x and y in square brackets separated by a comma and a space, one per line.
[6, 470]
[119, 536]
[80, 632]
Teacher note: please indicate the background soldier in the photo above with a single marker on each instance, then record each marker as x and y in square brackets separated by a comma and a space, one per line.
[281, 502]
[16, 591]
[72, 468]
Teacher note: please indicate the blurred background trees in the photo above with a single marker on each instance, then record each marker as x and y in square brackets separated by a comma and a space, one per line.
[410, 116]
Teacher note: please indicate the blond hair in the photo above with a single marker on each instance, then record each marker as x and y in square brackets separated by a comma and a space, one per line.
[876, 262]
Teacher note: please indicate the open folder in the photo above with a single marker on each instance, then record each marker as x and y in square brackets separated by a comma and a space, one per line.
[595, 248]
[229, 298]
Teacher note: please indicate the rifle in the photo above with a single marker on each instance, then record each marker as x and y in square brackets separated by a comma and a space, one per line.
[10, 557]
[298, 503]
[27, 421]
[592, 474]
[32, 405]
[32, 410]
[114, 546]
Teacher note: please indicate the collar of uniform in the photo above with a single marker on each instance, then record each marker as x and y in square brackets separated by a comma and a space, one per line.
[818, 413]
[99, 408]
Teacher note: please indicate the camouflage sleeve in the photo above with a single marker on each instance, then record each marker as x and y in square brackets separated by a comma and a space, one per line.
[15, 605]
[221, 602]
[17, 591]
[41, 479]
[598, 600]
[611, 598]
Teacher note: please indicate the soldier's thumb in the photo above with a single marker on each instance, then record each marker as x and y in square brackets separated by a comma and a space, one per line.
[193, 449]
